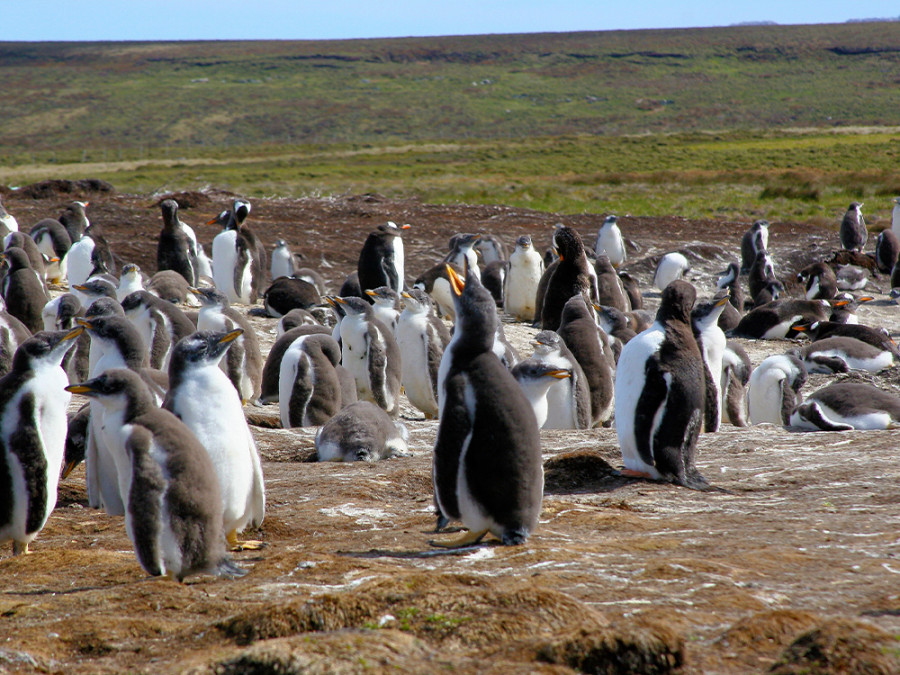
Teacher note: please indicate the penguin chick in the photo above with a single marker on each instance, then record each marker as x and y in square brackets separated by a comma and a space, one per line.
[774, 389]
[591, 349]
[525, 269]
[670, 267]
[754, 239]
[309, 386]
[386, 304]
[422, 338]
[168, 483]
[711, 340]
[361, 432]
[269, 389]
[853, 232]
[840, 354]
[536, 377]
[610, 242]
[844, 406]
[202, 397]
[568, 399]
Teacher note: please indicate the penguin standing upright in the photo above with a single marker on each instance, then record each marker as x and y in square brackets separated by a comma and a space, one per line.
[370, 352]
[711, 340]
[89, 255]
[491, 249]
[579, 331]
[54, 237]
[895, 217]
[755, 239]
[525, 269]
[309, 386]
[26, 243]
[610, 242]
[22, 289]
[422, 338]
[610, 290]
[386, 305]
[736, 371]
[8, 222]
[853, 229]
[463, 252]
[568, 398]
[238, 267]
[272, 367]
[202, 397]
[887, 250]
[175, 250]
[660, 394]
[32, 436]
[381, 260]
[572, 276]
[12, 333]
[487, 467]
[173, 507]
[160, 323]
[282, 263]
[762, 272]
[131, 280]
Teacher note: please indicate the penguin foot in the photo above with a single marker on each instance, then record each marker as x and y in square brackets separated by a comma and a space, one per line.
[20, 548]
[467, 539]
[249, 545]
[632, 473]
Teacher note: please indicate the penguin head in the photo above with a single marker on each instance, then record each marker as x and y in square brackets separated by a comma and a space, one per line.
[677, 301]
[577, 307]
[97, 288]
[417, 301]
[15, 258]
[133, 302]
[116, 389]
[393, 229]
[104, 307]
[203, 347]
[241, 209]
[67, 308]
[731, 273]
[540, 373]
[546, 343]
[44, 347]
[476, 310]
[225, 219]
[281, 243]
[169, 208]
[760, 224]
[706, 314]
[602, 265]
[337, 307]
[130, 269]
[610, 220]
[384, 296]
[210, 296]
[524, 242]
[353, 306]
[568, 243]
[610, 318]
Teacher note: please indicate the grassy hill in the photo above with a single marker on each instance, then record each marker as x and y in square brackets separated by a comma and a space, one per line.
[566, 121]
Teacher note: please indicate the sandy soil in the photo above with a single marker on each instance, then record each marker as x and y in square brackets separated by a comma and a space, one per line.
[796, 568]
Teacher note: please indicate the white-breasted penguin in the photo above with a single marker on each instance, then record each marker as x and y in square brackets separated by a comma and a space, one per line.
[361, 432]
[568, 398]
[436, 282]
[573, 275]
[33, 425]
[282, 261]
[581, 335]
[309, 386]
[851, 277]
[525, 269]
[854, 233]
[731, 279]
[22, 289]
[381, 260]
[736, 369]
[370, 352]
[877, 337]
[463, 252]
[671, 266]
[840, 354]
[711, 340]
[660, 394]
[272, 367]
[422, 338]
[8, 222]
[238, 266]
[536, 377]
[173, 506]
[54, 237]
[491, 249]
[386, 305]
[160, 323]
[487, 468]
[610, 242]
[774, 389]
[89, 255]
[131, 280]
[844, 406]
[762, 273]
[775, 319]
[202, 397]
[12, 334]
[755, 239]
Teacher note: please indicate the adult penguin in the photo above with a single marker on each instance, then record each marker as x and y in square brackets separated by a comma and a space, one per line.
[22, 289]
[755, 239]
[671, 266]
[820, 281]
[525, 269]
[54, 237]
[238, 271]
[853, 229]
[660, 394]
[487, 467]
[762, 272]
[572, 276]
[436, 282]
[422, 338]
[287, 293]
[840, 354]
[381, 260]
[775, 319]
[173, 507]
[32, 436]
[175, 250]
[202, 397]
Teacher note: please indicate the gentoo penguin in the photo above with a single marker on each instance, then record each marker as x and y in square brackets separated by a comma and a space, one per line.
[436, 282]
[851, 277]
[26, 243]
[775, 319]
[309, 388]
[731, 313]
[579, 332]
[171, 287]
[370, 352]
[610, 242]
[568, 399]
[503, 348]
[491, 249]
[238, 267]
[381, 260]
[762, 272]
[422, 338]
[243, 361]
[843, 309]
[770, 292]
[840, 354]
[22, 289]
[853, 229]
[844, 406]
[887, 249]
[536, 377]
[361, 432]
[350, 287]
[670, 267]
[12, 334]
[282, 262]
[462, 251]
[755, 239]
[175, 250]
[493, 278]
[736, 369]
[774, 389]
[525, 269]
[272, 367]
[61, 314]
[610, 291]
[130, 280]
[92, 289]
[88, 254]
[202, 397]
[616, 326]
[294, 318]
[632, 290]
[8, 222]
[386, 305]
[55, 237]
[160, 323]
[877, 337]
[287, 293]
[660, 394]
[167, 481]
[711, 340]
[572, 276]
[32, 436]
[487, 467]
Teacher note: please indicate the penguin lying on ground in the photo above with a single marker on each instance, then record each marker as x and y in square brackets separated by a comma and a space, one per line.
[774, 389]
[361, 432]
[839, 354]
[844, 406]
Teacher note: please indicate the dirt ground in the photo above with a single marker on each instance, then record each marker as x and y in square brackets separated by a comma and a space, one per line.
[796, 568]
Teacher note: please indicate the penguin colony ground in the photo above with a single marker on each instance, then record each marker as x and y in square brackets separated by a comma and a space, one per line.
[641, 259]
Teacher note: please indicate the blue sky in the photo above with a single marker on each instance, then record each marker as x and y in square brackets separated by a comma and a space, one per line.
[54, 20]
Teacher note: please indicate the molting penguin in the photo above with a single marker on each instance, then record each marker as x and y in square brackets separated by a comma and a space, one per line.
[616, 326]
[294, 318]
[736, 369]
[851, 277]
[462, 252]
[887, 250]
[491, 249]
[238, 270]
[610, 290]
[762, 272]
[22, 289]
[422, 338]
[487, 455]
[711, 340]
[26, 243]
[536, 377]
[660, 394]
[755, 239]
[32, 436]
[610, 242]
[572, 276]
[731, 279]
[774, 389]
[853, 229]
[370, 352]
[670, 267]
[381, 260]
[55, 237]
[361, 432]
[272, 368]
[173, 512]
[568, 399]
[175, 250]
[160, 323]
[632, 290]
[839, 354]
[202, 397]
[579, 332]
[172, 287]
[309, 387]
[525, 269]
[287, 293]
[386, 305]
[844, 406]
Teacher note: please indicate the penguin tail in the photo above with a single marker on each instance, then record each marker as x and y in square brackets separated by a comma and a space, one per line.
[228, 568]
[514, 537]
